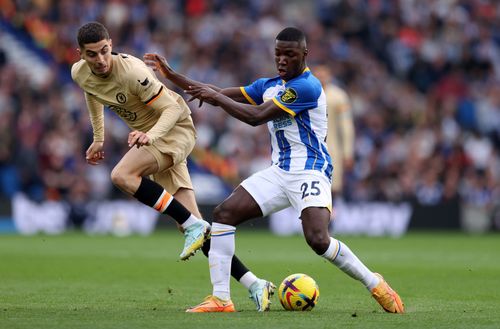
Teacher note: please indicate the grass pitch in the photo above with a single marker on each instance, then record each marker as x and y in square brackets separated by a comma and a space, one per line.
[447, 280]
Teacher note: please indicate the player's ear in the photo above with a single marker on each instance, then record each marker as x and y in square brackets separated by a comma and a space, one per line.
[306, 52]
[79, 51]
[110, 43]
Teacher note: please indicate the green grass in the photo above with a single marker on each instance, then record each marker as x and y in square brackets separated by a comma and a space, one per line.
[447, 280]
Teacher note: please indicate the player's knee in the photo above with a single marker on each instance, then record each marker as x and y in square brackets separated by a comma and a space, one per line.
[318, 241]
[118, 178]
[222, 214]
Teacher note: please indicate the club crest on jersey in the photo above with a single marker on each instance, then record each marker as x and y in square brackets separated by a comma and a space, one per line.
[289, 96]
[121, 98]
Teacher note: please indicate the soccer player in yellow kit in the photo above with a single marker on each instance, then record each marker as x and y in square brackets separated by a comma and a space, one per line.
[154, 170]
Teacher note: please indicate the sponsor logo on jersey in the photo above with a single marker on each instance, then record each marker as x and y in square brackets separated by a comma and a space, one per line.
[121, 98]
[282, 122]
[289, 96]
[123, 113]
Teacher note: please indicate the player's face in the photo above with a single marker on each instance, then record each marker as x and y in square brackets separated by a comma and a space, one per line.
[98, 57]
[290, 58]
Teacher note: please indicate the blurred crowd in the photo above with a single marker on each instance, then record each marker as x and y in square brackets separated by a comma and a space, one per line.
[423, 78]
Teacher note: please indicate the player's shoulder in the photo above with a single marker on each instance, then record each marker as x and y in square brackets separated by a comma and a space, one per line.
[306, 82]
[132, 69]
[79, 71]
[128, 63]
[311, 79]
[268, 82]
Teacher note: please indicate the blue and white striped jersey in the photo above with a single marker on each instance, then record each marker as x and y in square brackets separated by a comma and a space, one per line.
[298, 136]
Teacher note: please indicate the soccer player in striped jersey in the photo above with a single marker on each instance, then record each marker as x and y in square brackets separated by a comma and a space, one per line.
[154, 169]
[293, 106]
[340, 142]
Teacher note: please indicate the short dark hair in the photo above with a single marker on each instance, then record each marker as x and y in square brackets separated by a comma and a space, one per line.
[91, 32]
[291, 34]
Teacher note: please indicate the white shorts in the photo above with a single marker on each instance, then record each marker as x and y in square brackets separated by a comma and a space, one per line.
[274, 189]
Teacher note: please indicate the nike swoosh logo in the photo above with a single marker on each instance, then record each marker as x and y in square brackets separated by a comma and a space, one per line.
[144, 83]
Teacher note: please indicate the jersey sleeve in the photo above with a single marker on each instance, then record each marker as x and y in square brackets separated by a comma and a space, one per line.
[143, 83]
[159, 98]
[96, 114]
[298, 96]
[253, 92]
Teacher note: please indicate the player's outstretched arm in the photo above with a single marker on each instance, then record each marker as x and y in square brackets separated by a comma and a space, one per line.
[159, 64]
[254, 115]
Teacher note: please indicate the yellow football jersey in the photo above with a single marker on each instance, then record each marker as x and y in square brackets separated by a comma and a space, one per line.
[134, 93]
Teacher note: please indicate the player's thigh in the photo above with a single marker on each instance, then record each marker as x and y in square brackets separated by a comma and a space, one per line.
[137, 162]
[165, 160]
[308, 188]
[267, 190]
[309, 193]
[173, 178]
[239, 207]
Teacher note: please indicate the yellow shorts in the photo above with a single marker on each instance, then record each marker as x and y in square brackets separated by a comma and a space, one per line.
[171, 153]
[174, 178]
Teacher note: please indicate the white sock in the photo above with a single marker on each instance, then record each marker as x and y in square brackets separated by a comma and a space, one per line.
[247, 279]
[341, 256]
[190, 221]
[219, 259]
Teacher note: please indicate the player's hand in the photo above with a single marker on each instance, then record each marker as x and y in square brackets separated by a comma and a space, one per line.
[95, 153]
[202, 92]
[209, 101]
[157, 63]
[138, 138]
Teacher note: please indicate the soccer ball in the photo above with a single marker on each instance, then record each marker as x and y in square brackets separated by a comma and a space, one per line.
[298, 292]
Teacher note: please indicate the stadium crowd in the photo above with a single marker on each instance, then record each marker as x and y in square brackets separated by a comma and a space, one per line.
[423, 78]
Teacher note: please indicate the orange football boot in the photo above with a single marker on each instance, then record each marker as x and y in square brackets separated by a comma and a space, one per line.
[386, 297]
[212, 304]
